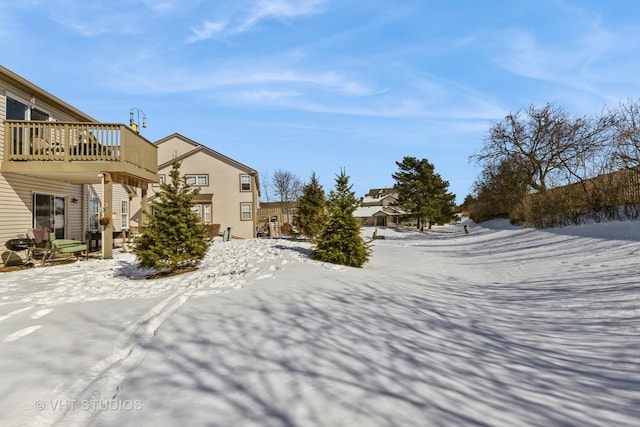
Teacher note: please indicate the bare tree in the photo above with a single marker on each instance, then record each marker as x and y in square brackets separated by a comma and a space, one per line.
[627, 139]
[266, 187]
[535, 149]
[288, 187]
[546, 144]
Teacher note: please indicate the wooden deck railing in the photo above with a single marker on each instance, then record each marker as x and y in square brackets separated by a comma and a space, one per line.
[77, 142]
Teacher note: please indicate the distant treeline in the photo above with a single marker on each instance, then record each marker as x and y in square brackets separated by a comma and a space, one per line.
[544, 167]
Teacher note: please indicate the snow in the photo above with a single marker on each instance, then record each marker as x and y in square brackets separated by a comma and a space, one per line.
[504, 326]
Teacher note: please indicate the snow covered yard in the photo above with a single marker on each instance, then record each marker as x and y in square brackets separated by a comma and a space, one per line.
[505, 326]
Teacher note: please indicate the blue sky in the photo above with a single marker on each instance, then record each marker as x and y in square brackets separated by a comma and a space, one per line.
[320, 85]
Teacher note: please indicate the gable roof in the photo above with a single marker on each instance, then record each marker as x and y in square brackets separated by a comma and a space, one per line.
[379, 192]
[370, 211]
[368, 200]
[197, 147]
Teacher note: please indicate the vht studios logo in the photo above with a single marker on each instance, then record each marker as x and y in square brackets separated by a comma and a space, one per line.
[89, 405]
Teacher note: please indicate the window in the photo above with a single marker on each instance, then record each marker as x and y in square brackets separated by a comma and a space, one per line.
[197, 209]
[245, 183]
[94, 213]
[39, 115]
[161, 180]
[203, 210]
[246, 213]
[124, 214]
[16, 110]
[197, 179]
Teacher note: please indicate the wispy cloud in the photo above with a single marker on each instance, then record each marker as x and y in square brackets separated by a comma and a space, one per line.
[247, 76]
[409, 102]
[268, 95]
[91, 19]
[587, 56]
[205, 31]
[162, 6]
[246, 18]
[276, 9]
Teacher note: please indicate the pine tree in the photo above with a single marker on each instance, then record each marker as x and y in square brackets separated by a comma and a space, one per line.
[423, 193]
[340, 241]
[175, 238]
[312, 206]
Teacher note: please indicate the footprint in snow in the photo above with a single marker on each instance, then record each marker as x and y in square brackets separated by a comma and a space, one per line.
[5, 317]
[41, 313]
[21, 333]
[329, 266]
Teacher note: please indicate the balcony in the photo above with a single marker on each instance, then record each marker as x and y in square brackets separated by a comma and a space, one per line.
[78, 152]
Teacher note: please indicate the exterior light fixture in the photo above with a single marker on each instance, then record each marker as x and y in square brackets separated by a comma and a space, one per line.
[135, 125]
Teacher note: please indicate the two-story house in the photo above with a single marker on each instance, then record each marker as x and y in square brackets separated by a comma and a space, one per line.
[60, 169]
[378, 207]
[229, 190]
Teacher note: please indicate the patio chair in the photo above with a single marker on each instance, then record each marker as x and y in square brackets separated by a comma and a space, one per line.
[65, 246]
[40, 247]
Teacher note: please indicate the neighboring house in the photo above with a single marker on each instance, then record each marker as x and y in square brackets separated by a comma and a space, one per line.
[377, 208]
[229, 190]
[58, 165]
[271, 215]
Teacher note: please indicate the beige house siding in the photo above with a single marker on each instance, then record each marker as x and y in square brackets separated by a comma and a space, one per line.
[119, 194]
[172, 148]
[3, 114]
[223, 182]
[17, 189]
[16, 199]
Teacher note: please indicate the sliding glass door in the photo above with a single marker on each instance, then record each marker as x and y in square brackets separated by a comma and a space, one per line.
[49, 212]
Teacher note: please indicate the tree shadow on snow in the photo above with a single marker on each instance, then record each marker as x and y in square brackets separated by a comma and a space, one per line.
[374, 355]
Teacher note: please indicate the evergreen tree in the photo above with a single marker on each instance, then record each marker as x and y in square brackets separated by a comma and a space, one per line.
[175, 237]
[312, 206]
[340, 241]
[423, 193]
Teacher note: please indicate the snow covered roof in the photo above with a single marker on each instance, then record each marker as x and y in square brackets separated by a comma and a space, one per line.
[377, 200]
[369, 211]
